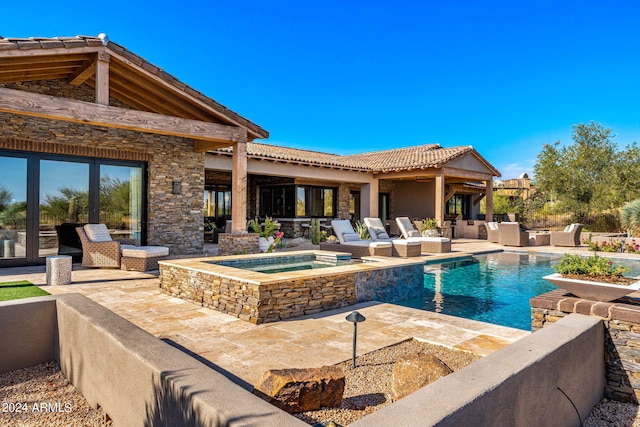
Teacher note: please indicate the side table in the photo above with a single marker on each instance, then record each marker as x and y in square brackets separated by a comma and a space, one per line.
[59, 270]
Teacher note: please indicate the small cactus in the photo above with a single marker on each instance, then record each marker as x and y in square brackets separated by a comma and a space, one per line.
[316, 235]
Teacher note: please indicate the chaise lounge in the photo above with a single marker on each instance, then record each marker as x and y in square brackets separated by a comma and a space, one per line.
[401, 247]
[351, 242]
[427, 244]
[99, 250]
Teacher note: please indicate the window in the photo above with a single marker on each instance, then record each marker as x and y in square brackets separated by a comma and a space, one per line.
[217, 204]
[299, 201]
[384, 206]
[459, 204]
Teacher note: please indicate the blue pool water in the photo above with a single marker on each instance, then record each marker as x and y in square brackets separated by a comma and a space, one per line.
[493, 288]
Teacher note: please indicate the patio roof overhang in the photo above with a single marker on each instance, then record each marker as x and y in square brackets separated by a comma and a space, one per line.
[115, 72]
[207, 135]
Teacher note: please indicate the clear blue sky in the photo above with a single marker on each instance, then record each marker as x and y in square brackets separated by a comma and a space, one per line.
[351, 76]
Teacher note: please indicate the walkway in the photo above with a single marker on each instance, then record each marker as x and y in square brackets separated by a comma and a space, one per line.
[245, 351]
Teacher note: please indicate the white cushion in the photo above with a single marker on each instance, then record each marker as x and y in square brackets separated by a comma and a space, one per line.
[97, 232]
[380, 244]
[143, 251]
[429, 239]
[406, 242]
[492, 225]
[413, 233]
[569, 228]
[382, 234]
[350, 237]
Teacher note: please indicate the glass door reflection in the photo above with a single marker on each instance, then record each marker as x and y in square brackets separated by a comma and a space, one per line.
[121, 201]
[64, 199]
[13, 207]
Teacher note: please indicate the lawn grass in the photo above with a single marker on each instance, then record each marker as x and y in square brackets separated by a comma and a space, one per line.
[21, 289]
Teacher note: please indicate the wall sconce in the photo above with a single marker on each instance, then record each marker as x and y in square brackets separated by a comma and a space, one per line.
[176, 187]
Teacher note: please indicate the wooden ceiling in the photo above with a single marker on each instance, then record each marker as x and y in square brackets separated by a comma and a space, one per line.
[132, 81]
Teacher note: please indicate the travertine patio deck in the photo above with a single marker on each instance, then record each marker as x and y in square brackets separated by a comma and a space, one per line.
[245, 350]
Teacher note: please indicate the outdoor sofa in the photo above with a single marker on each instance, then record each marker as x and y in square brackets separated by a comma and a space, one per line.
[493, 233]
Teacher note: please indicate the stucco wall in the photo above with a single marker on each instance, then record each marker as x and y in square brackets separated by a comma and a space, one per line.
[414, 199]
[174, 220]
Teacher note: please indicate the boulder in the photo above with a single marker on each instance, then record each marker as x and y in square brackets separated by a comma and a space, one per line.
[414, 371]
[300, 390]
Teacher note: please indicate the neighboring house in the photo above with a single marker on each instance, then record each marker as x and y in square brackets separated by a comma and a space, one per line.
[517, 187]
[91, 132]
[295, 185]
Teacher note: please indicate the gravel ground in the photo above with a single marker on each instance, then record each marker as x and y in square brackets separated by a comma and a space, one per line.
[42, 396]
[368, 386]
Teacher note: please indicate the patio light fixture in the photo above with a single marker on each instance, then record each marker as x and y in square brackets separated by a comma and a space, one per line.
[355, 318]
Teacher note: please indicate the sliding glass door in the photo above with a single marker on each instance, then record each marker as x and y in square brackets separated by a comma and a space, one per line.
[44, 197]
[13, 207]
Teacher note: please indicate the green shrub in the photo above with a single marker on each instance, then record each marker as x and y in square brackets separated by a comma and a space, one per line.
[362, 231]
[589, 266]
[630, 218]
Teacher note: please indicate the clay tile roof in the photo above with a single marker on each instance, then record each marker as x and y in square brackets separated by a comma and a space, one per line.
[409, 158]
[294, 155]
[397, 159]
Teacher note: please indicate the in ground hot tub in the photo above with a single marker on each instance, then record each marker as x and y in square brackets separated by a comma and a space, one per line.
[233, 285]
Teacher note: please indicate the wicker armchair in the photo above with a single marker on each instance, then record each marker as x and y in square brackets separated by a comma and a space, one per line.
[510, 234]
[493, 233]
[98, 250]
[569, 237]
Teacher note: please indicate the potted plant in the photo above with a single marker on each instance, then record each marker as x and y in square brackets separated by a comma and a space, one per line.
[595, 277]
[270, 233]
[429, 228]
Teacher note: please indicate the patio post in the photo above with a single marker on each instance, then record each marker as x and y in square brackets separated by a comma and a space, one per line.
[369, 199]
[489, 200]
[439, 196]
[239, 189]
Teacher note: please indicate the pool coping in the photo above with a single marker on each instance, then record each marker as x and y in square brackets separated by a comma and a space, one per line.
[205, 265]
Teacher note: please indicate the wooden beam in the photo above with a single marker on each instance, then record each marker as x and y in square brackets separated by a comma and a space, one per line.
[450, 194]
[102, 78]
[26, 62]
[88, 70]
[24, 76]
[477, 200]
[468, 175]
[50, 107]
[239, 189]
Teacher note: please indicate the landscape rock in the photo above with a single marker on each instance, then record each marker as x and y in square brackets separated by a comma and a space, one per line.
[299, 390]
[414, 371]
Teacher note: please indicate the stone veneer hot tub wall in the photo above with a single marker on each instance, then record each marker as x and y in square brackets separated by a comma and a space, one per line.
[259, 298]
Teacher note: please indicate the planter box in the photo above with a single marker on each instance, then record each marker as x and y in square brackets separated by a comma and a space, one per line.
[596, 291]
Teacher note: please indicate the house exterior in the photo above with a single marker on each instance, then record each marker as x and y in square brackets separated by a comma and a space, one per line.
[295, 185]
[93, 133]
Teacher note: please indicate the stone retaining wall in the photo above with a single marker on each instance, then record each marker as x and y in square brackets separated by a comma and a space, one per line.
[260, 303]
[236, 244]
[622, 336]
[277, 298]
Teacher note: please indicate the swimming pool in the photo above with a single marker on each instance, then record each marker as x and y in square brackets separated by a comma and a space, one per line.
[493, 288]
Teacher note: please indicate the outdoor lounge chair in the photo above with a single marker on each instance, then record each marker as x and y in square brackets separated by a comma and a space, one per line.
[351, 242]
[400, 248]
[427, 244]
[493, 234]
[99, 250]
[569, 237]
[510, 234]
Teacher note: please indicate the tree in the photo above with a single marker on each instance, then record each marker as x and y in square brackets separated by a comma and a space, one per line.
[5, 198]
[584, 176]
